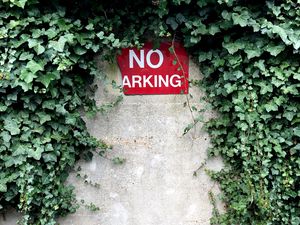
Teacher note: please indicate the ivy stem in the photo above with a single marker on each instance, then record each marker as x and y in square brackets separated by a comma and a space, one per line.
[185, 79]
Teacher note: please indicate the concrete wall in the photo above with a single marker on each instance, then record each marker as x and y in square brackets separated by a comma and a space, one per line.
[156, 185]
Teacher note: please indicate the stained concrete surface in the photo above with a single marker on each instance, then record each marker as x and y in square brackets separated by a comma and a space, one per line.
[155, 186]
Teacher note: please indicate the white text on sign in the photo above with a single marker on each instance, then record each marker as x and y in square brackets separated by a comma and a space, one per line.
[151, 81]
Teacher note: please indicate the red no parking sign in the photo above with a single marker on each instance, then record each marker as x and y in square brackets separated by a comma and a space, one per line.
[148, 71]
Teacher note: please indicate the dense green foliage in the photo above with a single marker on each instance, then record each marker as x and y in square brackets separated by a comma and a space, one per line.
[248, 52]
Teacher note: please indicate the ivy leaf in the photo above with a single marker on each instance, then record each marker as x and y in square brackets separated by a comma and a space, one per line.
[241, 19]
[100, 35]
[274, 50]
[27, 76]
[5, 136]
[69, 38]
[172, 22]
[48, 104]
[118, 160]
[230, 88]
[204, 56]
[34, 67]
[180, 18]
[39, 49]
[271, 107]
[49, 157]
[35, 152]
[29, 73]
[58, 45]
[188, 128]
[243, 126]
[238, 74]
[265, 87]
[46, 79]
[19, 149]
[3, 187]
[89, 26]
[3, 107]
[32, 42]
[44, 117]
[25, 56]
[16, 160]
[289, 115]
[71, 119]
[233, 47]
[24, 85]
[276, 82]
[213, 29]
[19, 3]
[296, 131]
[295, 149]
[232, 75]
[261, 65]
[282, 33]
[12, 126]
[51, 33]
[251, 53]
[61, 109]
[296, 76]
[296, 44]
[80, 50]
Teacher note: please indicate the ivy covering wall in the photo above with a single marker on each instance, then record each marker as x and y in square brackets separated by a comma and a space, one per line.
[248, 52]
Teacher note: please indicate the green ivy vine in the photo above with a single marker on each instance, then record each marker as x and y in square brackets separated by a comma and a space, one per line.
[248, 52]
